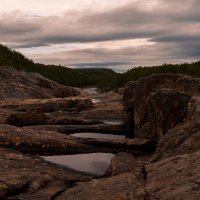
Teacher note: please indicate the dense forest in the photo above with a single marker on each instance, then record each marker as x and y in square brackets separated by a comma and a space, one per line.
[104, 79]
[60, 74]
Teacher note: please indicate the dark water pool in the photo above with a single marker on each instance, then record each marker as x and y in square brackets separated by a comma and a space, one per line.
[98, 135]
[95, 163]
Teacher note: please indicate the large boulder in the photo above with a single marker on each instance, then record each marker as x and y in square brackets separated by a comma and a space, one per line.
[29, 85]
[166, 108]
[155, 104]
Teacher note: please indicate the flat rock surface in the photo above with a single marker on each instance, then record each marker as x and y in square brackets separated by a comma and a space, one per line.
[28, 177]
[53, 142]
[48, 105]
[107, 106]
[129, 186]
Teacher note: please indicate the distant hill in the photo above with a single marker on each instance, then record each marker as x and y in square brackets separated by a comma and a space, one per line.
[192, 69]
[104, 79]
[60, 74]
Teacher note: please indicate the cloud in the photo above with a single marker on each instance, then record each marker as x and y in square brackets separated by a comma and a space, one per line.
[171, 30]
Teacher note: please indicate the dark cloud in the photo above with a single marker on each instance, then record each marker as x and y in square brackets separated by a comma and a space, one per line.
[178, 38]
[102, 64]
[173, 26]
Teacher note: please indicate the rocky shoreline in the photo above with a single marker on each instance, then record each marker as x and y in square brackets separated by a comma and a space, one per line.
[159, 160]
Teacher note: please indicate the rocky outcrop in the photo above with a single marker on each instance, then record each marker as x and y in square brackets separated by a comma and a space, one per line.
[162, 110]
[28, 140]
[48, 105]
[106, 106]
[36, 116]
[123, 162]
[166, 108]
[177, 177]
[156, 104]
[29, 85]
[128, 185]
[30, 177]
[69, 129]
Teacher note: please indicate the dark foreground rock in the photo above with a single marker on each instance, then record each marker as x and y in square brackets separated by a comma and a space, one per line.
[166, 108]
[26, 177]
[47, 142]
[28, 85]
[177, 178]
[127, 185]
[69, 129]
[162, 110]
[47, 105]
[156, 104]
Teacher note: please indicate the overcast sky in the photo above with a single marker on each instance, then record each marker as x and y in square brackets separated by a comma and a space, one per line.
[118, 34]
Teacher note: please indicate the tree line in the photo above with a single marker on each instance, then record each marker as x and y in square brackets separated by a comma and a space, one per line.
[104, 79]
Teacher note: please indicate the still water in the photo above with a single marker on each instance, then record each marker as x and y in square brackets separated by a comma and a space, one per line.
[96, 101]
[98, 136]
[95, 163]
[113, 122]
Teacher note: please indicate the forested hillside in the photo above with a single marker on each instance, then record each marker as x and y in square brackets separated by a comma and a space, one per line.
[60, 74]
[104, 79]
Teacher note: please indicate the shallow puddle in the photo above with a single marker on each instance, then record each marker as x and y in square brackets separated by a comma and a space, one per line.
[95, 163]
[91, 91]
[96, 100]
[98, 135]
[113, 122]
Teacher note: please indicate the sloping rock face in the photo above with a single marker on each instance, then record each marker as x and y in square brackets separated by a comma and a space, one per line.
[168, 111]
[30, 177]
[28, 85]
[156, 104]
[177, 177]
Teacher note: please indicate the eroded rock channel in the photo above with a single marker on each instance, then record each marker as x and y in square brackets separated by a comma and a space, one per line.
[58, 144]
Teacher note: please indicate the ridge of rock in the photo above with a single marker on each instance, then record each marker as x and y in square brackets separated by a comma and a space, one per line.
[28, 85]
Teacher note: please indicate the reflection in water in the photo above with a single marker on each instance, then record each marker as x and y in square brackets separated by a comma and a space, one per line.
[96, 163]
[91, 91]
[113, 122]
[96, 100]
[98, 135]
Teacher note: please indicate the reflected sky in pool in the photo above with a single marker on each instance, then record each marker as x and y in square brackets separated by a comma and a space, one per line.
[98, 135]
[95, 163]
